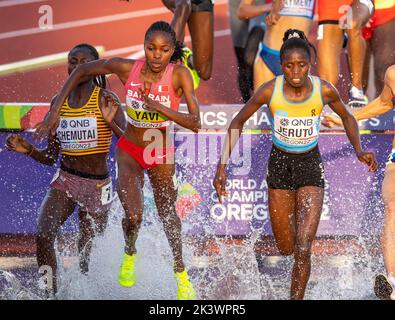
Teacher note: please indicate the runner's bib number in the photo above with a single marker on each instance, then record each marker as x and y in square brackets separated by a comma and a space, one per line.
[106, 194]
[300, 8]
[78, 133]
[296, 131]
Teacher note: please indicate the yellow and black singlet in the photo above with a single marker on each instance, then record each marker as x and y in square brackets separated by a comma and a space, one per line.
[296, 125]
[83, 131]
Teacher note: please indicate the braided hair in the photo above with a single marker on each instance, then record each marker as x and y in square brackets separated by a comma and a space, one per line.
[296, 39]
[167, 28]
[100, 80]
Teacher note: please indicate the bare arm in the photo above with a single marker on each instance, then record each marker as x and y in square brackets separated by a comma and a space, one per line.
[119, 66]
[378, 106]
[382, 103]
[118, 125]
[248, 9]
[274, 14]
[261, 96]
[47, 156]
[332, 98]
[112, 112]
[182, 79]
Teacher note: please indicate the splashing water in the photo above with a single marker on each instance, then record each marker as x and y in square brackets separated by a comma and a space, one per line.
[235, 272]
[12, 289]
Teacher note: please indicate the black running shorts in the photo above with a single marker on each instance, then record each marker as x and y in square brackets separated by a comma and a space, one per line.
[291, 171]
[202, 5]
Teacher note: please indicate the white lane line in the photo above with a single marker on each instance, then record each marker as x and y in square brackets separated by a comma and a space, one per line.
[90, 21]
[85, 22]
[10, 3]
[140, 53]
[59, 58]
[55, 59]
[122, 51]
[38, 63]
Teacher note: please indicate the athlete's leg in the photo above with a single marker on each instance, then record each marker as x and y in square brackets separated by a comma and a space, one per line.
[366, 65]
[165, 194]
[239, 33]
[309, 205]
[388, 235]
[357, 46]
[130, 185]
[282, 207]
[91, 225]
[181, 10]
[330, 42]
[255, 36]
[201, 28]
[383, 46]
[54, 211]
[262, 73]
[242, 74]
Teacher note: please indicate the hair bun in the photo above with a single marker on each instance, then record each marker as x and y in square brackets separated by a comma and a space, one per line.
[293, 35]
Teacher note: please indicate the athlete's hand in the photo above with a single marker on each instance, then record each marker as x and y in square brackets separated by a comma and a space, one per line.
[272, 18]
[18, 144]
[149, 104]
[46, 127]
[331, 121]
[274, 15]
[219, 184]
[369, 158]
[109, 107]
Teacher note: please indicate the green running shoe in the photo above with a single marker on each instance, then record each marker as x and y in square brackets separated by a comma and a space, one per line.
[127, 276]
[185, 287]
[195, 76]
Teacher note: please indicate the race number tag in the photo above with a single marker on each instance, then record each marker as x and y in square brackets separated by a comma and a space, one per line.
[303, 9]
[106, 194]
[296, 131]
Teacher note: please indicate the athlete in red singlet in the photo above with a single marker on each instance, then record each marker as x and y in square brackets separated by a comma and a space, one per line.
[153, 91]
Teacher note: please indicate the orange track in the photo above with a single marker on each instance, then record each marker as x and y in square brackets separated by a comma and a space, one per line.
[40, 86]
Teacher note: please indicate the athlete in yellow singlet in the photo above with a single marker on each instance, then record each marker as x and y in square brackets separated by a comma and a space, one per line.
[83, 138]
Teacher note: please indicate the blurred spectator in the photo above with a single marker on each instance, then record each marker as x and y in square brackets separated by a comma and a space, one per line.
[246, 35]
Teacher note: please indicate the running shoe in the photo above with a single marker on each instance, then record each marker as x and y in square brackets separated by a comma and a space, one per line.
[187, 61]
[185, 287]
[127, 276]
[382, 287]
[357, 98]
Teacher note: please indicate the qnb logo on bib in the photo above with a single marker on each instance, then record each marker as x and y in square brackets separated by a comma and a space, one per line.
[140, 105]
[78, 133]
[296, 131]
[302, 8]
